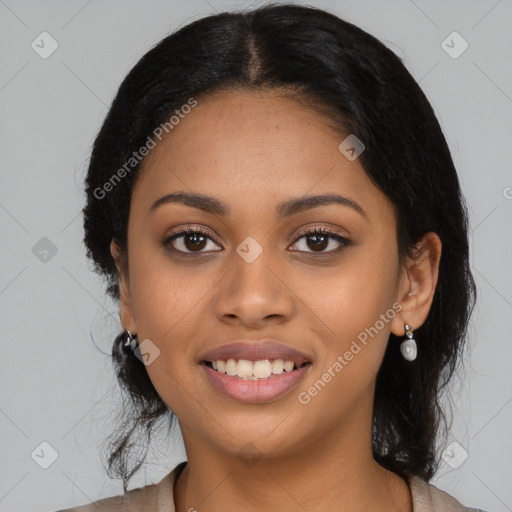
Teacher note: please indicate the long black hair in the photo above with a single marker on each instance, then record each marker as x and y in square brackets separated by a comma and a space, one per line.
[363, 88]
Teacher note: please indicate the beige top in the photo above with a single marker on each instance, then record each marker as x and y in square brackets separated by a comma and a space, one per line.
[159, 498]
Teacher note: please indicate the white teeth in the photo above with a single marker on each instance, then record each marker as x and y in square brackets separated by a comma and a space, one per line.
[246, 369]
[262, 369]
[288, 366]
[231, 367]
[277, 366]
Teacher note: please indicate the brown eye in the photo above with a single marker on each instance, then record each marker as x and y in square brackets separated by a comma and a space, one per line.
[320, 239]
[190, 241]
[318, 242]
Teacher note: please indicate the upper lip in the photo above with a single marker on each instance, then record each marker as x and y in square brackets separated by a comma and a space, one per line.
[255, 350]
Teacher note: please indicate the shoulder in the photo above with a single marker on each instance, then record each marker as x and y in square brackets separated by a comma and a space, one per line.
[428, 498]
[151, 498]
[132, 500]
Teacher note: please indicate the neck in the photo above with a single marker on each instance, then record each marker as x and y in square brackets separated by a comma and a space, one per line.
[336, 471]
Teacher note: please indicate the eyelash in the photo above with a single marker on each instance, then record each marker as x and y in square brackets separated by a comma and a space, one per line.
[322, 230]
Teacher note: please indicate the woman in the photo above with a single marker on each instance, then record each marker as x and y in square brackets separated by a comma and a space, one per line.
[274, 206]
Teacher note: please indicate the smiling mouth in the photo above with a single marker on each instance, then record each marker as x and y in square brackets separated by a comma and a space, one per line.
[254, 370]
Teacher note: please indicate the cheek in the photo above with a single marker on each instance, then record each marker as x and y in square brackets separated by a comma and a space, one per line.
[351, 296]
[166, 308]
[355, 309]
[164, 295]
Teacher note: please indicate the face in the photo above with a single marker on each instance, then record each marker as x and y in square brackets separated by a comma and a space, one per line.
[314, 277]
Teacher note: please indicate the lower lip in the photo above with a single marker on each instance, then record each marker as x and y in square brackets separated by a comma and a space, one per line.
[255, 391]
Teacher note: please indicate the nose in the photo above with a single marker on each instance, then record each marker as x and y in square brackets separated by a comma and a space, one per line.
[254, 294]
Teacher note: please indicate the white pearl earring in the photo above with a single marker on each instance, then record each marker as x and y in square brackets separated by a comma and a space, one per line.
[408, 347]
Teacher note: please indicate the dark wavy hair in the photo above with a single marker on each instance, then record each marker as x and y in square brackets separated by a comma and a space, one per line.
[361, 87]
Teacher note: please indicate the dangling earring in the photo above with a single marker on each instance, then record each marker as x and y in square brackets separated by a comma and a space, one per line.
[129, 344]
[408, 347]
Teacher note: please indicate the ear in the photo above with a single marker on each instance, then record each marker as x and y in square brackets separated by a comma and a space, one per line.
[125, 304]
[418, 281]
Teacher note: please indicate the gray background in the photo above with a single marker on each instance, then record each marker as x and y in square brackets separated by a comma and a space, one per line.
[57, 384]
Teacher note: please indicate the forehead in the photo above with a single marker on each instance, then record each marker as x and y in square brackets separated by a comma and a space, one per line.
[245, 146]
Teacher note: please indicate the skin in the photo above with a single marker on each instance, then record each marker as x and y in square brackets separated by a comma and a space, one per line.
[252, 151]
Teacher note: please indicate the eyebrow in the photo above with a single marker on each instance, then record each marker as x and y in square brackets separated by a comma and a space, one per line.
[284, 209]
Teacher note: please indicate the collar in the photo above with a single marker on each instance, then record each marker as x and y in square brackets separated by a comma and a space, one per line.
[425, 497]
